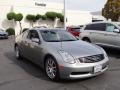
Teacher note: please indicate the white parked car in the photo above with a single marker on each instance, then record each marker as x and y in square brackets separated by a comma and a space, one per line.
[102, 33]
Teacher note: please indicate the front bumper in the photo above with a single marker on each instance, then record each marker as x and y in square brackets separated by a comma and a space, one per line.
[3, 36]
[82, 70]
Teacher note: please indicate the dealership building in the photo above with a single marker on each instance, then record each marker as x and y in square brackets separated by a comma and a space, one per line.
[34, 7]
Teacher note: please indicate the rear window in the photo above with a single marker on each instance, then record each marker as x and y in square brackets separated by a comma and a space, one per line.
[97, 27]
[76, 29]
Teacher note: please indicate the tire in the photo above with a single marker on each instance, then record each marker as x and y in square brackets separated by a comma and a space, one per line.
[17, 53]
[86, 40]
[51, 69]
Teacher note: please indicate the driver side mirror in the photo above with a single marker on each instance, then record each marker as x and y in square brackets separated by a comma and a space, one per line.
[36, 40]
[116, 31]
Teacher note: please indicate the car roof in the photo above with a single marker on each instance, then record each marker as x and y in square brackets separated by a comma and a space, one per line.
[101, 22]
[48, 29]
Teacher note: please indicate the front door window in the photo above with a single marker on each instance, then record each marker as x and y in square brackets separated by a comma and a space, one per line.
[110, 28]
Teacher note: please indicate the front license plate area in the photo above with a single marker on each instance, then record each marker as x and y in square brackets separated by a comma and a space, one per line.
[97, 68]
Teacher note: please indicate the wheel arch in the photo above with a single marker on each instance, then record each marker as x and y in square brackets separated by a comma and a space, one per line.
[48, 55]
[86, 38]
[58, 73]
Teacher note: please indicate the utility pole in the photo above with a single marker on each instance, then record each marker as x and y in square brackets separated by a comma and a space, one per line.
[65, 14]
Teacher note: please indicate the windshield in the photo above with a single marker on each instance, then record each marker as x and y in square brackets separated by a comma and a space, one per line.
[57, 36]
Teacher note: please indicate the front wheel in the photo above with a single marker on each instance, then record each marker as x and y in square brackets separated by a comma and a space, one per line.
[51, 69]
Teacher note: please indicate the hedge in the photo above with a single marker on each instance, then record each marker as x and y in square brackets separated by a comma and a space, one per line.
[10, 31]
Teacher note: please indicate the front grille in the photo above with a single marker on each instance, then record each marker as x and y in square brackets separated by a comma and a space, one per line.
[92, 59]
[79, 73]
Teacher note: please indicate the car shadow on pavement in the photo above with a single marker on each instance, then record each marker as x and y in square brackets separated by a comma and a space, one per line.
[36, 71]
[27, 66]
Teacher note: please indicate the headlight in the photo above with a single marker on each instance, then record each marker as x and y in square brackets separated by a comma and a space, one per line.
[67, 57]
[105, 54]
[82, 60]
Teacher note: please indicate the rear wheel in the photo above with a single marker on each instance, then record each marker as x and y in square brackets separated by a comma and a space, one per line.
[51, 69]
[86, 39]
[17, 52]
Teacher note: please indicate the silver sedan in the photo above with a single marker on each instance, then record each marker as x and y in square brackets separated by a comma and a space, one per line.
[60, 54]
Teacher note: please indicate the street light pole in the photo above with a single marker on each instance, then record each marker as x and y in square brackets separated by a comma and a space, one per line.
[64, 14]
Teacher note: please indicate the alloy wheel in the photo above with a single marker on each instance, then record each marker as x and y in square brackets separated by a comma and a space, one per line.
[51, 68]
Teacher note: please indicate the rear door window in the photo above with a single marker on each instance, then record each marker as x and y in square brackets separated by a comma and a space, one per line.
[96, 27]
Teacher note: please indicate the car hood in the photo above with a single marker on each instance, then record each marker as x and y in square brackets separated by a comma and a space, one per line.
[76, 48]
[2, 32]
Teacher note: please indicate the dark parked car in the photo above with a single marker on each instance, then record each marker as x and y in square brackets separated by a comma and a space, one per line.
[3, 34]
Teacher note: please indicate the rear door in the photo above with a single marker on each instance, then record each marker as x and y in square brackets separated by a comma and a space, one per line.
[96, 32]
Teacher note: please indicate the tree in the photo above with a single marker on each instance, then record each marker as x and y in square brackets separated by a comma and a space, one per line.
[38, 16]
[60, 16]
[44, 17]
[10, 31]
[31, 18]
[51, 15]
[11, 15]
[111, 10]
[18, 17]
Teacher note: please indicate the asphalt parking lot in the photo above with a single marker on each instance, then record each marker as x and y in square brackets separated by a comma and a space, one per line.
[24, 75]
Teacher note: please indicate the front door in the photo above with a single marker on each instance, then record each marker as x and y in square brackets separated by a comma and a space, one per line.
[34, 49]
[113, 38]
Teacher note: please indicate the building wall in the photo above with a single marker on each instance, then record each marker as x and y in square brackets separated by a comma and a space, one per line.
[27, 7]
[36, 7]
[78, 17]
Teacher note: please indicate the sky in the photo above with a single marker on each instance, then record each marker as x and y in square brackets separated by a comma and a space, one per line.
[84, 5]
